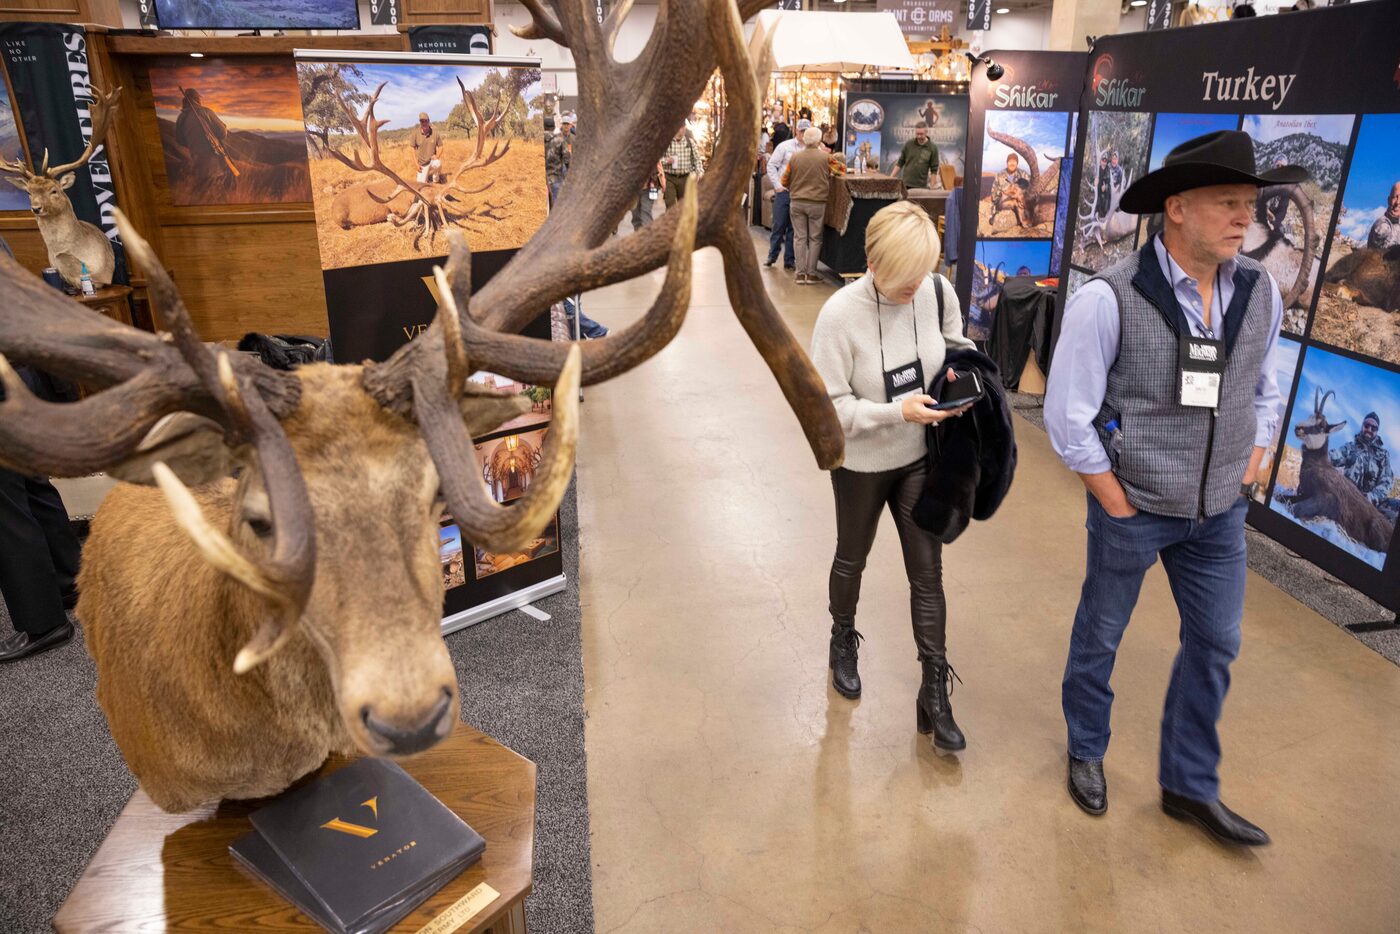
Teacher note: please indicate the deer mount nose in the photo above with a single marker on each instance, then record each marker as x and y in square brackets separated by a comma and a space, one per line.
[398, 739]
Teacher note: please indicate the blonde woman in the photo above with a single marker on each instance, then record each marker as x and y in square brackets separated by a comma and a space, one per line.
[878, 344]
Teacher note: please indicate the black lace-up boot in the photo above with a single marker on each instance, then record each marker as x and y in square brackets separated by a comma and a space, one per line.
[935, 710]
[845, 642]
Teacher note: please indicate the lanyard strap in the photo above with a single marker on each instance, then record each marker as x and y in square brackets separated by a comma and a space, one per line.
[913, 310]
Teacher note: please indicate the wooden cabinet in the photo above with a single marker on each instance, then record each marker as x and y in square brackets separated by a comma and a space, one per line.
[103, 12]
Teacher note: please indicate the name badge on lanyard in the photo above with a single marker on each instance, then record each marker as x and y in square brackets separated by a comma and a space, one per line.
[904, 381]
[907, 380]
[1201, 363]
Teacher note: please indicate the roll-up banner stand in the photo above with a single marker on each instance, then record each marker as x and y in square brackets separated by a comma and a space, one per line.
[379, 242]
[1016, 188]
[1319, 89]
[47, 68]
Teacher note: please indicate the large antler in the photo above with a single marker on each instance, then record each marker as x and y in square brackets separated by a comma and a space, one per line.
[627, 119]
[150, 377]
[102, 107]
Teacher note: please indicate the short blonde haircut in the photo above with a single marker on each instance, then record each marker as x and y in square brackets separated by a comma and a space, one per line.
[901, 244]
[811, 136]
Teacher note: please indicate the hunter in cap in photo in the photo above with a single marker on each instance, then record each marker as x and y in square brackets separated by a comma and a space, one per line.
[1163, 398]
[427, 148]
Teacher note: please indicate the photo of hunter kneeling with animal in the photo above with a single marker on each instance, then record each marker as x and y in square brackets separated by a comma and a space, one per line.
[402, 153]
[1359, 306]
[1336, 478]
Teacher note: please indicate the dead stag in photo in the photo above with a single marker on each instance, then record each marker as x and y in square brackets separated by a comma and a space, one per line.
[424, 208]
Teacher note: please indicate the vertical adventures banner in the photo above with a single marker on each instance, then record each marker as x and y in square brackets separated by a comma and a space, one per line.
[49, 76]
[406, 147]
[1016, 192]
[1320, 89]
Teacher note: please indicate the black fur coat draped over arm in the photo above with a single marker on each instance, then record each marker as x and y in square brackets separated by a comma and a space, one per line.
[972, 458]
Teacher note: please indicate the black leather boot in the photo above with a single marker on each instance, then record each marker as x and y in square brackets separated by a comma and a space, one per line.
[845, 643]
[934, 709]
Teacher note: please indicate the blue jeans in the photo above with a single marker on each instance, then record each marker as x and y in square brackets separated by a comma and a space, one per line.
[589, 328]
[1205, 564]
[782, 230]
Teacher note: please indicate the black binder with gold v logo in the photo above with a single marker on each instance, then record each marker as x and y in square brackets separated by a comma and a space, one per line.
[358, 849]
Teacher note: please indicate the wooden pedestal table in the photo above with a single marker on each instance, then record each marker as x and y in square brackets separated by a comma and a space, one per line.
[114, 301]
[173, 872]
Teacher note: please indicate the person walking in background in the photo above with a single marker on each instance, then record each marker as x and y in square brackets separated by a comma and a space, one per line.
[808, 181]
[38, 550]
[1163, 398]
[781, 237]
[680, 162]
[918, 158]
[556, 157]
[644, 211]
[896, 320]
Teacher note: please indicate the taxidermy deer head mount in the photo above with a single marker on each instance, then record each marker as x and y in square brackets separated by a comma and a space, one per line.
[70, 242]
[245, 628]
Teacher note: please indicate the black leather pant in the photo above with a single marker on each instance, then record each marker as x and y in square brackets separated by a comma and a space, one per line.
[860, 497]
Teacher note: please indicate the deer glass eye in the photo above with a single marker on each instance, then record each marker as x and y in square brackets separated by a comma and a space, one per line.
[260, 526]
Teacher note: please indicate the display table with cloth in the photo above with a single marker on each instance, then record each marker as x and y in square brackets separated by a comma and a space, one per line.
[162, 872]
[1023, 321]
[853, 200]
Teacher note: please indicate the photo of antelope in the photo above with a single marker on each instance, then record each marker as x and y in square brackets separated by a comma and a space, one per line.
[1336, 477]
[387, 184]
[10, 146]
[1286, 358]
[1359, 305]
[1290, 221]
[231, 131]
[1021, 169]
[1115, 156]
[547, 543]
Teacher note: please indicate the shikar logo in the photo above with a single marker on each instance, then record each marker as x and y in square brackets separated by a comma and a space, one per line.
[1110, 91]
[356, 830]
[1021, 97]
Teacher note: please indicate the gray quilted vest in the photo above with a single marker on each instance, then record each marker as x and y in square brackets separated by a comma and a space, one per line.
[1175, 460]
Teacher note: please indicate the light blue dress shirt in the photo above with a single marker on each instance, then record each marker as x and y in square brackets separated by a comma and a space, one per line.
[1088, 348]
[782, 155]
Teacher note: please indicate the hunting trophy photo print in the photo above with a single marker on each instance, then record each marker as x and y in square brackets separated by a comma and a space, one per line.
[266, 585]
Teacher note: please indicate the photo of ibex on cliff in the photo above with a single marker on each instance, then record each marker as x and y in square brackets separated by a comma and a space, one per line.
[402, 153]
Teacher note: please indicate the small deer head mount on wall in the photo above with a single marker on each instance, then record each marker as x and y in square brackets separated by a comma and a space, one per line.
[71, 242]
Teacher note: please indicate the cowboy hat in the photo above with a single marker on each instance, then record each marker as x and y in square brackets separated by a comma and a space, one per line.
[1225, 157]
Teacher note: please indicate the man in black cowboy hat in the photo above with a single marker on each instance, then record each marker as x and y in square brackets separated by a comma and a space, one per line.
[1162, 398]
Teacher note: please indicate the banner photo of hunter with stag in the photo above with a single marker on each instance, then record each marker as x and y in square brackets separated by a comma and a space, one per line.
[401, 152]
[231, 132]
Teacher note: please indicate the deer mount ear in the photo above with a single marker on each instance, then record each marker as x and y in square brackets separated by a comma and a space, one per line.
[1336, 427]
[67, 180]
[191, 446]
[17, 182]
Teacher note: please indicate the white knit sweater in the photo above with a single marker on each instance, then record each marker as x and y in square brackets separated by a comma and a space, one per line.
[846, 351]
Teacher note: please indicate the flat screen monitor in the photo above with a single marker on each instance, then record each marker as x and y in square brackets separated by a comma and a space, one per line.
[258, 14]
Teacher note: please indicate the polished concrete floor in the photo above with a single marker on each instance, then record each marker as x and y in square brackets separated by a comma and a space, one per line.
[732, 790]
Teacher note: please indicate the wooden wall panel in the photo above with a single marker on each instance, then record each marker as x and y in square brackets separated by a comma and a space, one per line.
[102, 12]
[237, 278]
[426, 12]
[23, 237]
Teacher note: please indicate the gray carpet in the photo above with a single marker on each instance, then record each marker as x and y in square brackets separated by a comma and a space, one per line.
[65, 782]
[1295, 576]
